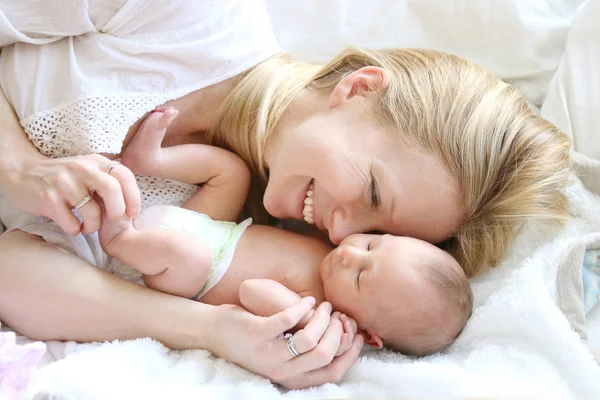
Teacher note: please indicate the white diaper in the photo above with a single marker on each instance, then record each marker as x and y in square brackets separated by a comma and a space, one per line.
[222, 237]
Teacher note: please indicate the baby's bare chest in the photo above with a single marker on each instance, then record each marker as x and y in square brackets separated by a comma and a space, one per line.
[304, 281]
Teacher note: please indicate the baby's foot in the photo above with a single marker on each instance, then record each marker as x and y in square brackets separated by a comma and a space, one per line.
[143, 155]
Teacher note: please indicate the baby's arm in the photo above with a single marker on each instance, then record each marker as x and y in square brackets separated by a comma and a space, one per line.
[266, 297]
[172, 262]
[224, 175]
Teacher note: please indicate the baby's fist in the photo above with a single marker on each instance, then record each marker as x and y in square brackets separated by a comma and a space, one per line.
[350, 330]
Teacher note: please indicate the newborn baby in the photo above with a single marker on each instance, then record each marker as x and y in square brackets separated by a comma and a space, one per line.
[396, 291]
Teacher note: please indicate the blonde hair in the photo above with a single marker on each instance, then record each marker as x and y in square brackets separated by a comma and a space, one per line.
[510, 165]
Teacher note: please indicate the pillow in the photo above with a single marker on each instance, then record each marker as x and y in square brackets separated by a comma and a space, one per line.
[519, 41]
[573, 104]
[573, 101]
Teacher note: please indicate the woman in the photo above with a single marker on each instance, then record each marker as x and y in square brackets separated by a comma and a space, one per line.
[408, 142]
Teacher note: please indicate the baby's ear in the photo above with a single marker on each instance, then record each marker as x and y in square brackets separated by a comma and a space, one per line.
[372, 339]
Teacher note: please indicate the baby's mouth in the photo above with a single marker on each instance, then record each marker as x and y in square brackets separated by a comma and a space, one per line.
[309, 208]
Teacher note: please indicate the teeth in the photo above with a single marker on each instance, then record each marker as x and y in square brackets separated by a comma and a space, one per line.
[308, 207]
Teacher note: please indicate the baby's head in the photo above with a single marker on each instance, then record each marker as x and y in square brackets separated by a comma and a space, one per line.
[404, 293]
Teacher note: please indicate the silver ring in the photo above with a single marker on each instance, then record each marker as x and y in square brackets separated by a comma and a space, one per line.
[111, 166]
[83, 202]
[290, 344]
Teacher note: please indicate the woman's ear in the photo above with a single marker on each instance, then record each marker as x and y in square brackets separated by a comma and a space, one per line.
[372, 339]
[359, 83]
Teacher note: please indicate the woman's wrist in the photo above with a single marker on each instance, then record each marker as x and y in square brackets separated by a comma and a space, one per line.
[13, 165]
[190, 326]
[16, 156]
[16, 150]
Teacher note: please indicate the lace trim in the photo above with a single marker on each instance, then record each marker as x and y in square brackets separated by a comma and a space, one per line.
[99, 125]
[157, 191]
[90, 124]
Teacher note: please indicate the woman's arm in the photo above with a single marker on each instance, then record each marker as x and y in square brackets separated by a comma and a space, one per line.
[49, 294]
[15, 147]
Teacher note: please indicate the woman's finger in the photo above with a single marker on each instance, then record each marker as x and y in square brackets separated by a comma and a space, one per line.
[307, 339]
[332, 373]
[74, 197]
[62, 214]
[285, 320]
[322, 354]
[129, 187]
[109, 190]
[91, 213]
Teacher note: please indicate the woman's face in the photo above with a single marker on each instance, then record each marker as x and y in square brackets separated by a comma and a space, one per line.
[346, 175]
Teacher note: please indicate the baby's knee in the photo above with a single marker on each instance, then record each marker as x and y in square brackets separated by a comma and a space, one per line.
[193, 263]
[202, 259]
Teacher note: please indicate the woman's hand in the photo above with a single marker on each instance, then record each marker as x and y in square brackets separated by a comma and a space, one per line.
[257, 344]
[53, 187]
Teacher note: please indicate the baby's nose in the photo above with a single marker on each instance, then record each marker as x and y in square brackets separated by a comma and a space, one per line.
[348, 256]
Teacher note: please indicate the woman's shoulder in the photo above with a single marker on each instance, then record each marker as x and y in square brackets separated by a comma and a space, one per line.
[130, 46]
[126, 57]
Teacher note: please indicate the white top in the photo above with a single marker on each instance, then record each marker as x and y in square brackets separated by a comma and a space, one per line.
[80, 73]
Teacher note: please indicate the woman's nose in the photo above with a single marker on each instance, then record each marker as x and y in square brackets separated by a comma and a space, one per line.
[341, 227]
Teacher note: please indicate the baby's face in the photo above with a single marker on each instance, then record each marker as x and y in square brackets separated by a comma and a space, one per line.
[366, 274]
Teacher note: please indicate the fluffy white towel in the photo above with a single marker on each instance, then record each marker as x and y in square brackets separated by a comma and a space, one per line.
[518, 345]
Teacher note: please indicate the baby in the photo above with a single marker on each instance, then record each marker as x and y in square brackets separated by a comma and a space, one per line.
[398, 291]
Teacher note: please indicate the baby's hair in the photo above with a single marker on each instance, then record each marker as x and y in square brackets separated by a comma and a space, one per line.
[436, 329]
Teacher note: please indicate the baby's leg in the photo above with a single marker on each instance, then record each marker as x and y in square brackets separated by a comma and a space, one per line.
[144, 154]
[172, 262]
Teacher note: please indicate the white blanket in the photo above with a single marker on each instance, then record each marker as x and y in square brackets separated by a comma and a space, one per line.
[518, 344]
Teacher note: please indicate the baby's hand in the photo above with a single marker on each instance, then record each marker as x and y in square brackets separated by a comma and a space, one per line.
[350, 330]
[143, 155]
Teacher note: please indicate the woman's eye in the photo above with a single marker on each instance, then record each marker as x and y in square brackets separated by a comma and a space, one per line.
[374, 193]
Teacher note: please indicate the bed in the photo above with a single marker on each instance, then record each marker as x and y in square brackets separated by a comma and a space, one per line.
[529, 336]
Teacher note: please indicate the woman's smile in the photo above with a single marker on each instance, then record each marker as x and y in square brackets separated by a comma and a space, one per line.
[308, 208]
